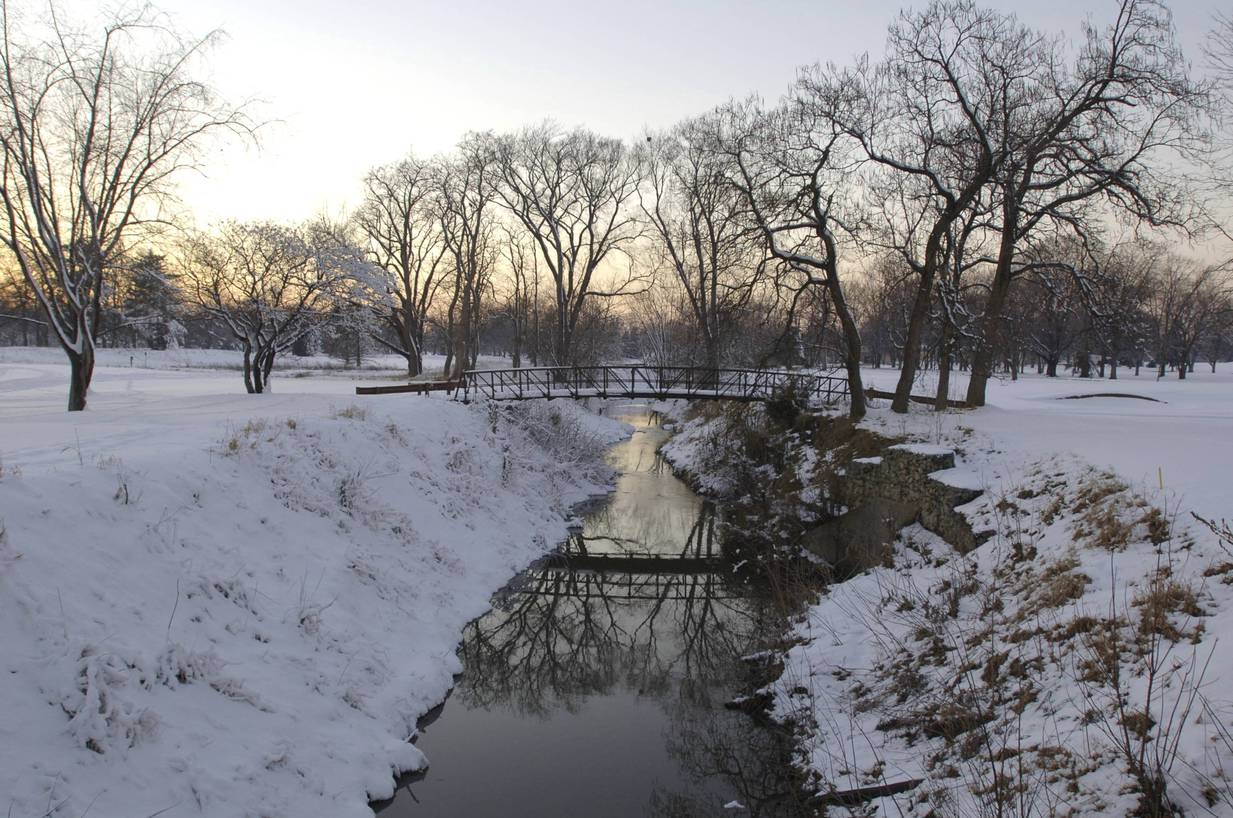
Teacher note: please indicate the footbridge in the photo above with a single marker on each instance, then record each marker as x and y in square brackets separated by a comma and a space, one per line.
[662, 382]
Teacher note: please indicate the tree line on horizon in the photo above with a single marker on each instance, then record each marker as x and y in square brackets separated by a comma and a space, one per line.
[986, 197]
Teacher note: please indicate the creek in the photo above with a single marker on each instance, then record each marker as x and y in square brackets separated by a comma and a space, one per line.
[596, 686]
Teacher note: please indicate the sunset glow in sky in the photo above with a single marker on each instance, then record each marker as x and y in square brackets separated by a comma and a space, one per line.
[355, 84]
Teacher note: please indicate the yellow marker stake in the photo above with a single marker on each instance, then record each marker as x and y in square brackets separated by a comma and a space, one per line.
[1160, 477]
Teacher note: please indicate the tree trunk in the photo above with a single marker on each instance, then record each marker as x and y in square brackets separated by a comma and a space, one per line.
[258, 373]
[989, 336]
[911, 345]
[249, 386]
[81, 371]
[710, 378]
[267, 366]
[940, 401]
[462, 334]
[852, 345]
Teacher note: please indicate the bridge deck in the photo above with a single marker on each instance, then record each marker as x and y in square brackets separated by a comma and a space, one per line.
[663, 382]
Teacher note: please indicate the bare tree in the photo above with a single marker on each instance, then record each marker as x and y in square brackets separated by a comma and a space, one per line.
[399, 218]
[467, 198]
[1188, 301]
[523, 263]
[1090, 131]
[1218, 49]
[927, 119]
[789, 166]
[574, 193]
[1174, 284]
[270, 285]
[93, 131]
[1120, 291]
[700, 229]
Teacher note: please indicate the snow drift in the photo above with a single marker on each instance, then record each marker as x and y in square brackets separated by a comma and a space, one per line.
[245, 616]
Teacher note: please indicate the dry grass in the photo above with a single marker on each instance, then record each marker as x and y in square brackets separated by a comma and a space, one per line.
[352, 412]
[1166, 607]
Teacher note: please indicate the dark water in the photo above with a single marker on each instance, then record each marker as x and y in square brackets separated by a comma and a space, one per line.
[596, 685]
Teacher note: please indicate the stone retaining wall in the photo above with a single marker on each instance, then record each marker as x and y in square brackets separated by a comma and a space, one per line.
[883, 494]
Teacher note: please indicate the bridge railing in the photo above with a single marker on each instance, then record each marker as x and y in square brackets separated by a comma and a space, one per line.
[636, 381]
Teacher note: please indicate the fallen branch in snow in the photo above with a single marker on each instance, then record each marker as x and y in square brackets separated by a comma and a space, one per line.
[860, 795]
[1112, 395]
[1222, 530]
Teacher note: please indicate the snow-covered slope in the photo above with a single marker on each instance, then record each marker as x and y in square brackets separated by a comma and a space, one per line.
[1069, 663]
[219, 604]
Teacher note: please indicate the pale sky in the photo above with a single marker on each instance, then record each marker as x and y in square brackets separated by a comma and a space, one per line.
[359, 83]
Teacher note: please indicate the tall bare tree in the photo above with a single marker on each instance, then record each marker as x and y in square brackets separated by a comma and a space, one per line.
[700, 229]
[93, 131]
[467, 200]
[789, 166]
[927, 119]
[399, 218]
[1090, 131]
[522, 261]
[574, 192]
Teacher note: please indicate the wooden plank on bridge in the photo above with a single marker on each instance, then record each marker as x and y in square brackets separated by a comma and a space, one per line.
[925, 399]
[415, 388]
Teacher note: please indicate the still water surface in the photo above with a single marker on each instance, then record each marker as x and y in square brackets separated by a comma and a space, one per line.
[596, 685]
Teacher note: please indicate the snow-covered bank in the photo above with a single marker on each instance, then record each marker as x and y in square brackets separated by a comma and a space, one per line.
[220, 604]
[1073, 664]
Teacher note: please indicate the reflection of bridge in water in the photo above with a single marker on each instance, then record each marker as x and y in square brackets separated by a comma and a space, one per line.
[676, 580]
[608, 568]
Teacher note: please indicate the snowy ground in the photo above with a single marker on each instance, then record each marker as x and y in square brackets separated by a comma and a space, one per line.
[286, 365]
[1186, 438]
[220, 604]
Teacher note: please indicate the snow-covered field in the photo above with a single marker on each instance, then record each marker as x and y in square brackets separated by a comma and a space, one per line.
[220, 604]
[286, 365]
[1183, 437]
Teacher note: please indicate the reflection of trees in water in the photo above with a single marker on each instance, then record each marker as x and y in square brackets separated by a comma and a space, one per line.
[568, 632]
[610, 531]
[757, 763]
[651, 520]
[567, 635]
